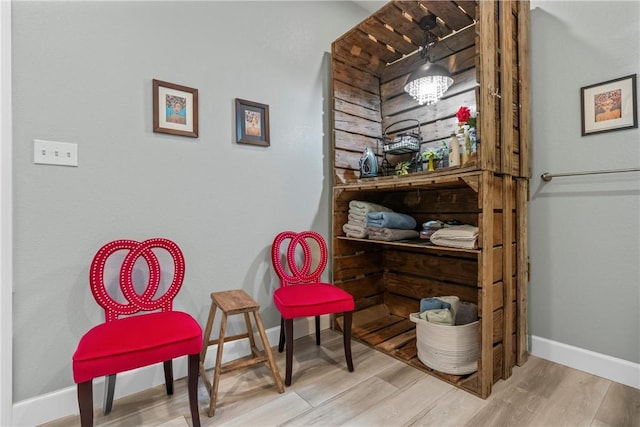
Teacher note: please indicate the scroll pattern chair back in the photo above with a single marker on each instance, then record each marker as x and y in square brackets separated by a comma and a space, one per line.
[301, 292]
[124, 342]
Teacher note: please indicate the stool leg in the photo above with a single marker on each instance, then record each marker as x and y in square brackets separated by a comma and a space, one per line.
[346, 337]
[267, 351]
[217, 371]
[289, 355]
[252, 341]
[207, 333]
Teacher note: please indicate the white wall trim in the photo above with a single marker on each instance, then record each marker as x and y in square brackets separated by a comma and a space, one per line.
[6, 222]
[614, 369]
[61, 403]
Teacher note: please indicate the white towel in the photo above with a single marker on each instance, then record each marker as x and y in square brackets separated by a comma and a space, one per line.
[354, 231]
[460, 236]
[359, 207]
[359, 220]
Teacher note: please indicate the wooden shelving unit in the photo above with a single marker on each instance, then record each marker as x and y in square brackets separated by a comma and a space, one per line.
[487, 52]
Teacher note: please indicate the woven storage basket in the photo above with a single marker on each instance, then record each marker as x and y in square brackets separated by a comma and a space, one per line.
[449, 349]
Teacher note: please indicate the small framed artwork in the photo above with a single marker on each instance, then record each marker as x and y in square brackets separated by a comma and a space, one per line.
[175, 109]
[252, 123]
[609, 106]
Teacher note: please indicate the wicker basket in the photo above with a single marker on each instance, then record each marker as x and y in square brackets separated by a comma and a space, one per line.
[449, 349]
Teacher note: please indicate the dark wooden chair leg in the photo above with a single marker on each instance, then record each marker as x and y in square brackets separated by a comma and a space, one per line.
[289, 356]
[168, 376]
[317, 330]
[281, 341]
[85, 403]
[346, 336]
[109, 389]
[192, 385]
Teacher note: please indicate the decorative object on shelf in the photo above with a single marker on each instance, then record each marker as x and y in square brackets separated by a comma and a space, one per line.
[402, 168]
[428, 83]
[368, 164]
[175, 109]
[454, 150]
[609, 106]
[432, 156]
[252, 123]
[407, 141]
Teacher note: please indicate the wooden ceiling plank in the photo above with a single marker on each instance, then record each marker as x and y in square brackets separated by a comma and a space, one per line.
[379, 31]
[448, 12]
[469, 6]
[360, 39]
[394, 17]
[364, 61]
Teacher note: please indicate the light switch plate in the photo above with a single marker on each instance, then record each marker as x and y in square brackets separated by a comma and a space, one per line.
[55, 153]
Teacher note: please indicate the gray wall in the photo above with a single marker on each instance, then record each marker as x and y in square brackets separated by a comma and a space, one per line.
[82, 73]
[584, 231]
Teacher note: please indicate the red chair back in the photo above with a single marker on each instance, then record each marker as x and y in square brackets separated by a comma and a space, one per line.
[136, 302]
[296, 274]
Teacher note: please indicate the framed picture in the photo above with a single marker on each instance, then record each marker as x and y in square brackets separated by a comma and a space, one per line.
[609, 106]
[175, 109]
[252, 123]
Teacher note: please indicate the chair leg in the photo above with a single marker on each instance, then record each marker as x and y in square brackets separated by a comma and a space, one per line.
[346, 336]
[192, 385]
[168, 376]
[281, 341]
[289, 356]
[85, 403]
[317, 330]
[109, 389]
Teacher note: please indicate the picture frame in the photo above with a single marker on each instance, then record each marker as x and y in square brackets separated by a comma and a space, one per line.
[609, 106]
[175, 109]
[252, 123]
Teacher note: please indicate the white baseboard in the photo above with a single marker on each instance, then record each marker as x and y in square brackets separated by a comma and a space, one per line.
[61, 403]
[614, 369]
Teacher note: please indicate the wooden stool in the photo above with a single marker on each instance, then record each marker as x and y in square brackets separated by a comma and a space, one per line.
[235, 302]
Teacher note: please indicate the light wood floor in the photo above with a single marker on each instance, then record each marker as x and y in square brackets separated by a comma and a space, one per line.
[382, 391]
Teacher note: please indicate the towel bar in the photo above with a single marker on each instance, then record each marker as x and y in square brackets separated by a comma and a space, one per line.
[548, 176]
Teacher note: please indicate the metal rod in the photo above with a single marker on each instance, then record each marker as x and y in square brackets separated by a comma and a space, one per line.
[548, 176]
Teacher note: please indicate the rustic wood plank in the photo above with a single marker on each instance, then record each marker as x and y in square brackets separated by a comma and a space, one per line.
[455, 270]
[522, 269]
[354, 77]
[362, 330]
[422, 287]
[485, 367]
[355, 124]
[355, 95]
[393, 16]
[524, 100]
[448, 12]
[373, 48]
[469, 7]
[359, 265]
[385, 35]
[398, 341]
[507, 274]
[506, 80]
[488, 85]
[356, 110]
[388, 332]
[355, 57]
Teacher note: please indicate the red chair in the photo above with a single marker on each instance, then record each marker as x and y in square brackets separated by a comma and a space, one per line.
[302, 294]
[124, 343]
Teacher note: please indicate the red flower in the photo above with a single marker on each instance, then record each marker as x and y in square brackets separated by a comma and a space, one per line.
[463, 114]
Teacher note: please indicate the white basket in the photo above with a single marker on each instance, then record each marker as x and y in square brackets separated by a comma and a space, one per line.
[449, 349]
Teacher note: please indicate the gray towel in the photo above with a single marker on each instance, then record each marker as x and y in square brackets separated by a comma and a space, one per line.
[390, 234]
[467, 313]
[390, 220]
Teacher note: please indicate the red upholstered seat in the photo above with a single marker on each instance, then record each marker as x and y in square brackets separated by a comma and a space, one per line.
[302, 294]
[124, 343]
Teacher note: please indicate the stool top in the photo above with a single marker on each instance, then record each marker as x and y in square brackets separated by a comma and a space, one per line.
[235, 301]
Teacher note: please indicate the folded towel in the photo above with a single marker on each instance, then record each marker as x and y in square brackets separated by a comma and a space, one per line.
[354, 231]
[433, 304]
[390, 220]
[441, 316]
[358, 220]
[460, 236]
[356, 217]
[453, 301]
[390, 234]
[467, 313]
[362, 208]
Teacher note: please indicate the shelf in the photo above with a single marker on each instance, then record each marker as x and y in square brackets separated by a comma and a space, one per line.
[412, 243]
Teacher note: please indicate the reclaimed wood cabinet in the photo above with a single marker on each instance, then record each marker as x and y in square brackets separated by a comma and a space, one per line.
[485, 46]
